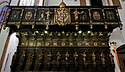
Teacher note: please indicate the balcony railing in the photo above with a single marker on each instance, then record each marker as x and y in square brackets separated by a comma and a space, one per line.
[63, 39]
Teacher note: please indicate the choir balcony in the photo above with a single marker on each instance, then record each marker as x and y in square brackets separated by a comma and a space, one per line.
[54, 18]
[71, 38]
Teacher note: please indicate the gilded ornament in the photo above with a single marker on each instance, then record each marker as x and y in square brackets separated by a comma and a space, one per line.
[62, 15]
[28, 15]
[48, 14]
[76, 13]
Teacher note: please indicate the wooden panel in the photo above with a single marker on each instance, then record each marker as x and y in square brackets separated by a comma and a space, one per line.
[82, 2]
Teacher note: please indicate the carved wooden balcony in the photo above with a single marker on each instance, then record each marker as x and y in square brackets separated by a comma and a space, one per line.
[54, 17]
[47, 32]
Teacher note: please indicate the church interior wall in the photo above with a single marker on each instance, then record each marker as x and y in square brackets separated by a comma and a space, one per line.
[14, 3]
[11, 49]
[3, 37]
[68, 2]
[117, 38]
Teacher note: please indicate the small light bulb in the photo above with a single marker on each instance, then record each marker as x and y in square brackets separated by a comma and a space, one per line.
[80, 32]
[45, 31]
[37, 31]
[63, 32]
[89, 31]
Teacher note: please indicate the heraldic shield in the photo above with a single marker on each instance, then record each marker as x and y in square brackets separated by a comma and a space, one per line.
[62, 16]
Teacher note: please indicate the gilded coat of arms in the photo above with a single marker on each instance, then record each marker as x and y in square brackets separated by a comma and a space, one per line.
[62, 16]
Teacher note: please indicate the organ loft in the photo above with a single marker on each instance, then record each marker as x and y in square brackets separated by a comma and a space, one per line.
[62, 38]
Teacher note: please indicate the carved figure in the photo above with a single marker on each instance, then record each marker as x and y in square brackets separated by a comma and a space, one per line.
[49, 56]
[96, 15]
[75, 56]
[15, 15]
[76, 13]
[93, 58]
[48, 14]
[58, 56]
[41, 16]
[102, 58]
[67, 56]
[110, 15]
[41, 56]
[83, 56]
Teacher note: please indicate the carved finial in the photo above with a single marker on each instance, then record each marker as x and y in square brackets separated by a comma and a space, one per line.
[62, 4]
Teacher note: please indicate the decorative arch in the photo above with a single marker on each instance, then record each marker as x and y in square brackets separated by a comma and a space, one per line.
[4, 2]
[121, 54]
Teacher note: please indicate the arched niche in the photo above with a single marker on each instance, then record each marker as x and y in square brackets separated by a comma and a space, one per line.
[121, 55]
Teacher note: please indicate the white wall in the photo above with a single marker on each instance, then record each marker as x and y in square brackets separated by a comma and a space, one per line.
[117, 37]
[26, 3]
[88, 3]
[3, 37]
[40, 2]
[4, 0]
[72, 2]
[68, 2]
[11, 49]
[111, 2]
[104, 2]
[14, 2]
[122, 11]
